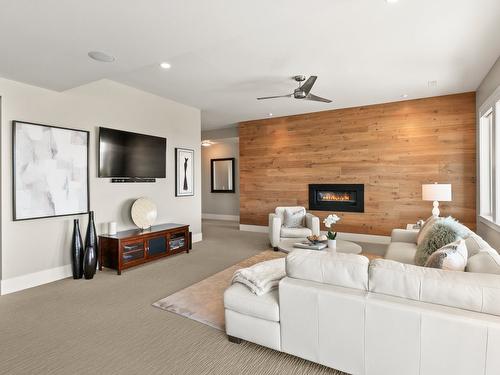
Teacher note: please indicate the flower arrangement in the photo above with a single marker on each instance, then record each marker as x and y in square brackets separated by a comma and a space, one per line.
[329, 221]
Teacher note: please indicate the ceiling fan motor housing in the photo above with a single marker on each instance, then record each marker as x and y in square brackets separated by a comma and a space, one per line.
[299, 94]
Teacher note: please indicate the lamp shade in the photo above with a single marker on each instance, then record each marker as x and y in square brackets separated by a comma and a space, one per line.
[436, 192]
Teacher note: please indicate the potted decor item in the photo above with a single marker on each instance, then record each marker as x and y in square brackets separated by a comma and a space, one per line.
[91, 237]
[77, 251]
[329, 222]
[89, 262]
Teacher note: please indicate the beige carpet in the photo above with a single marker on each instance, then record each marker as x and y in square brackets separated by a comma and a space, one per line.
[204, 301]
[108, 326]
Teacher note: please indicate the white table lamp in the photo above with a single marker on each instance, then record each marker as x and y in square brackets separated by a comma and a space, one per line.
[436, 193]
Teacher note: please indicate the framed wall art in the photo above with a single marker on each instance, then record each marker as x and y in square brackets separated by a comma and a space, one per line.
[184, 172]
[50, 167]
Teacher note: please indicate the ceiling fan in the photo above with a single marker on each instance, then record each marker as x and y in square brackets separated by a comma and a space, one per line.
[302, 92]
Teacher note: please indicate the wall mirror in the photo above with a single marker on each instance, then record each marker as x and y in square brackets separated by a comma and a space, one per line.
[222, 175]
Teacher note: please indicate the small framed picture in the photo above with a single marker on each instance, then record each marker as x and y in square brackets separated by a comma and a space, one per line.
[184, 172]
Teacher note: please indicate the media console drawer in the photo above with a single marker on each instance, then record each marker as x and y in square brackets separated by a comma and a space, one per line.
[133, 247]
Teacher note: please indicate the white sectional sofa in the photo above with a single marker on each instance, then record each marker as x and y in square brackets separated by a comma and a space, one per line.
[375, 318]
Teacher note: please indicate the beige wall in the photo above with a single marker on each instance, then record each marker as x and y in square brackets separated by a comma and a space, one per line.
[40, 249]
[490, 83]
[220, 203]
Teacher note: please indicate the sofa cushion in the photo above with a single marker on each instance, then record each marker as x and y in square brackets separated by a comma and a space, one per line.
[404, 235]
[452, 257]
[475, 244]
[294, 217]
[346, 270]
[487, 260]
[295, 232]
[403, 252]
[240, 299]
[468, 291]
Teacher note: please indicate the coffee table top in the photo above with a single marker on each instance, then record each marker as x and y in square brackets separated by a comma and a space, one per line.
[286, 246]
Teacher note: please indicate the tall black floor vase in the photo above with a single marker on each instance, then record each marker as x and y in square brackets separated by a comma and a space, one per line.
[91, 237]
[77, 251]
[89, 262]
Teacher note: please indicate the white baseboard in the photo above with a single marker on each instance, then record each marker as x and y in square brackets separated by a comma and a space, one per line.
[31, 280]
[221, 217]
[197, 237]
[370, 238]
[254, 228]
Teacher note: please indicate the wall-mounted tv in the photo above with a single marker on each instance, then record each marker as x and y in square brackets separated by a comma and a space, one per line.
[126, 154]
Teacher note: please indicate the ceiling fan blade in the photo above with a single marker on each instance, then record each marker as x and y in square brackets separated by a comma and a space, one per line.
[274, 97]
[307, 86]
[317, 98]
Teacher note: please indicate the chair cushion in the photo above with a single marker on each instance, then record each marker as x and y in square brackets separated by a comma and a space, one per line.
[280, 211]
[487, 260]
[346, 270]
[294, 217]
[403, 252]
[451, 257]
[295, 232]
[465, 290]
[240, 299]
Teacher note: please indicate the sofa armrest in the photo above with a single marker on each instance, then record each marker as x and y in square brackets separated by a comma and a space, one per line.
[404, 235]
[312, 222]
[345, 270]
[274, 229]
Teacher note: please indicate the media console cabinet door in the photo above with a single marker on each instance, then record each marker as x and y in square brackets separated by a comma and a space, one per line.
[157, 246]
[132, 251]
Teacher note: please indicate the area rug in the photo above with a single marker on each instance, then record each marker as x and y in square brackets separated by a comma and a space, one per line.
[204, 301]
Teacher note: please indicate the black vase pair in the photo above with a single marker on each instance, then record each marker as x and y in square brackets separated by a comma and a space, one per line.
[84, 259]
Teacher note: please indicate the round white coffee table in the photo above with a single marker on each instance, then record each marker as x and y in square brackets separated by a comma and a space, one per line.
[342, 246]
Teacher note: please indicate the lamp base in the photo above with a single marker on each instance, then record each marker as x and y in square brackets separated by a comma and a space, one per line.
[435, 210]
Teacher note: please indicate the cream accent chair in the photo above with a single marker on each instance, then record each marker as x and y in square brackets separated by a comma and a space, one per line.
[277, 231]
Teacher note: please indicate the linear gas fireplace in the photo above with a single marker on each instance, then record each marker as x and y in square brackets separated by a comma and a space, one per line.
[337, 197]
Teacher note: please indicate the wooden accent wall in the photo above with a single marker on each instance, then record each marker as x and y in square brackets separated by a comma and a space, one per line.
[391, 148]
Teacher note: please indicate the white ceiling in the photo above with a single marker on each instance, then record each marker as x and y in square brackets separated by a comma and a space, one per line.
[225, 53]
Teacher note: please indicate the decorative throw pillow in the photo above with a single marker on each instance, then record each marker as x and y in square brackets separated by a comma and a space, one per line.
[452, 257]
[439, 235]
[485, 261]
[425, 228]
[462, 230]
[294, 217]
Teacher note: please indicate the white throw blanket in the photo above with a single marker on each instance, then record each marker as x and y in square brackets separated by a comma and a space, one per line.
[261, 277]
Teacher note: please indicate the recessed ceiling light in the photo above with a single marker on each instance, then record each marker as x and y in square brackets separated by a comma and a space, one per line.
[270, 115]
[206, 143]
[101, 56]
[391, 1]
[404, 95]
[165, 65]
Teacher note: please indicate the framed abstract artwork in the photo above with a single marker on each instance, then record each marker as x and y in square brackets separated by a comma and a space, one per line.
[184, 172]
[50, 167]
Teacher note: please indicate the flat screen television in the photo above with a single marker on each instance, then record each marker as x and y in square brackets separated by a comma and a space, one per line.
[126, 154]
